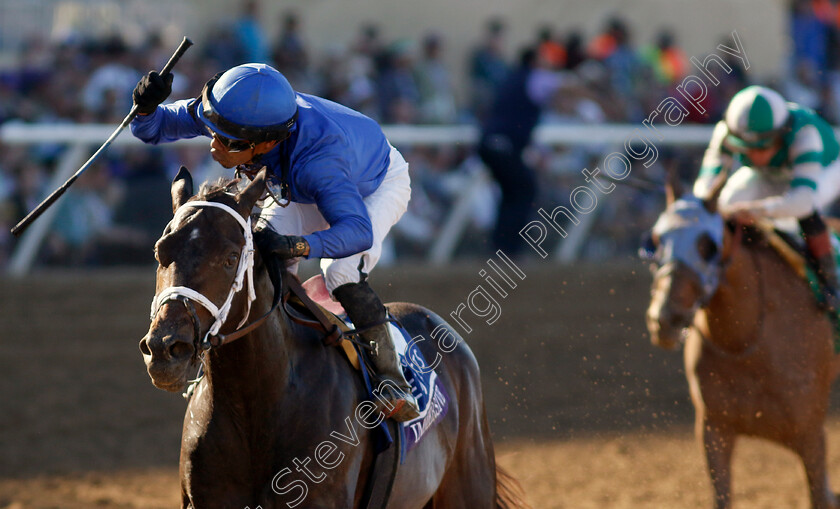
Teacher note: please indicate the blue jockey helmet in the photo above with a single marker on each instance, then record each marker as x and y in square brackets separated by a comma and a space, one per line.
[252, 102]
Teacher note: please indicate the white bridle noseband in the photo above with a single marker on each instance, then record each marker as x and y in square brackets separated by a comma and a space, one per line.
[245, 269]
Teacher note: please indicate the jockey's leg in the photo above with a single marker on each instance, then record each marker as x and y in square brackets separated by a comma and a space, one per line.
[819, 247]
[345, 279]
[368, 313]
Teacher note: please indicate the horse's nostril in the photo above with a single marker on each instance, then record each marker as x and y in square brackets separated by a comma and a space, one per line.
[144, 347]
[180, 349]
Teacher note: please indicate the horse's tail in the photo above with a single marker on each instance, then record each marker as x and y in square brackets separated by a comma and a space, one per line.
[509, 493]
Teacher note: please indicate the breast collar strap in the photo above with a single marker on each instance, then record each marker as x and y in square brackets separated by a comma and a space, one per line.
[245, 270]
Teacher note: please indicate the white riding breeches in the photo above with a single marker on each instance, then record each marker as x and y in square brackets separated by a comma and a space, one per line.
[385, 206]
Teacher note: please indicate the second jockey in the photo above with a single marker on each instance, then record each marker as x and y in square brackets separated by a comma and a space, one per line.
[785, 158]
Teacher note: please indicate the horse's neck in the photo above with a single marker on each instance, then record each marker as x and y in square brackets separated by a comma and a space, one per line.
[254, 368]
[733, 316]
[276, 366]
[756, 288]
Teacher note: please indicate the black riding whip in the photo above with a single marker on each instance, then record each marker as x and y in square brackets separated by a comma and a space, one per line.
[44, 205]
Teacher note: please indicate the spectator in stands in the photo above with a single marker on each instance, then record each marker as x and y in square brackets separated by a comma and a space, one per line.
[85, 213]
[290, 54]
[505, 134]
[434, 83]
[107, 94]
[399, 96]
[575, 103]
[249, 34]
[369, 45]
[348, 78]
[668, 62]
[575, 51]
[624, 67]
[487, 67]
[550, 49]
[808, 34]
[223, 49]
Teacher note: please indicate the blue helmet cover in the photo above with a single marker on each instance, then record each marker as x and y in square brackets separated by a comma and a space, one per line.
[251, 97]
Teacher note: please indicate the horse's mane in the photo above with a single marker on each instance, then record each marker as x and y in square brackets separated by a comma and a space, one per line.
[755, 238]
[751, 236]
[222, 185]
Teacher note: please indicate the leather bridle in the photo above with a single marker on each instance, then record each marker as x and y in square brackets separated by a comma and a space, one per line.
[244, 277]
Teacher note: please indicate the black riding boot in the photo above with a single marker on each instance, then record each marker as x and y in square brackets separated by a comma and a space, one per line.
[364, 308]
[819, 247]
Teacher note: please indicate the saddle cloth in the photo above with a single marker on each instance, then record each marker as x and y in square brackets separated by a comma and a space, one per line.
[432, 398]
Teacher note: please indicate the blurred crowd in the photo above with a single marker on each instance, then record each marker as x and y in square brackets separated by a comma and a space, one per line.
[116, 211]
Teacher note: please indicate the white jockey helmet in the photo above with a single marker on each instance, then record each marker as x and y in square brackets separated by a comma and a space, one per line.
[756, 117]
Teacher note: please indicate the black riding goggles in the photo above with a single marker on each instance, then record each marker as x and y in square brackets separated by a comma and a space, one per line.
[231, 145]
[255, 134]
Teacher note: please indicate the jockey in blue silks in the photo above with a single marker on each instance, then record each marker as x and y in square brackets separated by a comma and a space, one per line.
[337, 186]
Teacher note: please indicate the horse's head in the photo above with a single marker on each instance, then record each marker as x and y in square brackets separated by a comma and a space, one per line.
[686, 245]
[204, 276]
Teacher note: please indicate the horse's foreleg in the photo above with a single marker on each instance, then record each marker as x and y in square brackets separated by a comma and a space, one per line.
[185, 500]
[718, 445]
[811, 450]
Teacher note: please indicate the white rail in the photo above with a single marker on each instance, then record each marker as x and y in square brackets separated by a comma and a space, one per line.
[84, 138]
[588, 134]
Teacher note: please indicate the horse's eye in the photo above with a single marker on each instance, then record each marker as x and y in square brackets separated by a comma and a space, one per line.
[232, 260]
[707, 248]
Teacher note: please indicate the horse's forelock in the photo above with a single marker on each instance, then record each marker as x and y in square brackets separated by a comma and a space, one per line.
[210, 190]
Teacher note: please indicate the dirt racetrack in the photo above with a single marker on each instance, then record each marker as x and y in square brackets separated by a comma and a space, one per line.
[584, 411]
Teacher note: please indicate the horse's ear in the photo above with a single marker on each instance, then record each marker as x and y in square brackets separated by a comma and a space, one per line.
[249, 196]
[182, 188]
[711, 203]
[673, 185]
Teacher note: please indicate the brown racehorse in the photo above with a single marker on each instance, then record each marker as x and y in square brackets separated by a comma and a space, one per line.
[758, 353]
[275, 399]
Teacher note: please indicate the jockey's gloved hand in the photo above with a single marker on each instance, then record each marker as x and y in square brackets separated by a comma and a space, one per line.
[151, 90]
[284, 246]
